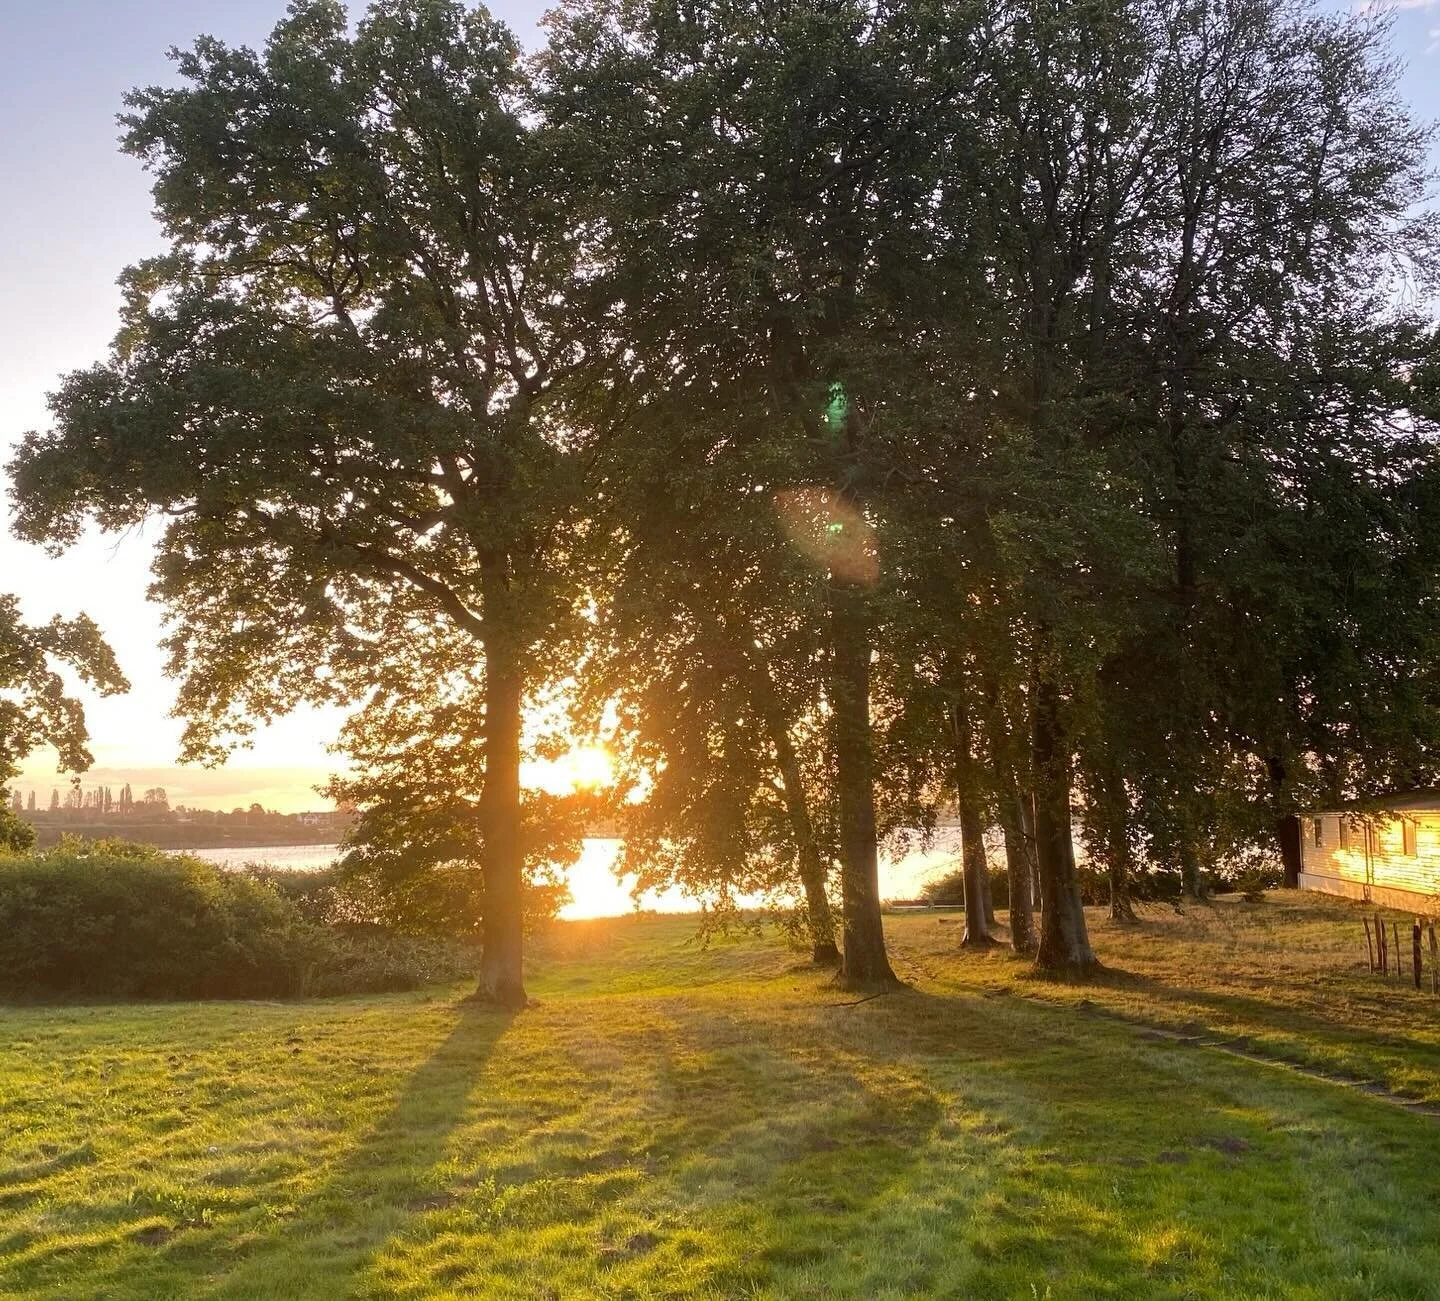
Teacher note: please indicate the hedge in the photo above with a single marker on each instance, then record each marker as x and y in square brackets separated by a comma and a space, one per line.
[112, 920]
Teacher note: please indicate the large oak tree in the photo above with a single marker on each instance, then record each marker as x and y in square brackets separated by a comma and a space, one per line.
[343, 385]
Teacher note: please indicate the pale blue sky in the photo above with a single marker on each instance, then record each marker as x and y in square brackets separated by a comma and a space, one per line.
[73, 212]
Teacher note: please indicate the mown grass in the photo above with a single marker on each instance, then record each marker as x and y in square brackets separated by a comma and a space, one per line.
[678, 1120]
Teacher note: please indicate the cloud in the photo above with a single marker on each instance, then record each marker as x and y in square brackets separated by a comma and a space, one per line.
[287, 789]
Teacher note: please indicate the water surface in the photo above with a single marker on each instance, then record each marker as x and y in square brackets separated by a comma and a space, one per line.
[595, 889]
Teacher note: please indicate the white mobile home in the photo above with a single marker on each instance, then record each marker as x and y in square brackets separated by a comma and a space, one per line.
[1388, 854]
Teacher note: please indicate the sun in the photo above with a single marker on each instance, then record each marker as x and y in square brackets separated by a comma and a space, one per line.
[584, 767]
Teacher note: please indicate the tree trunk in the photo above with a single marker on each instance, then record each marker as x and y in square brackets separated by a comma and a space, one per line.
[1018, 872]
[987, 894]
[1122, 907]
[975, 869]
[503, 927]
[1287, 825]
[1027, 829]
[865, 963]
[1064, 940]
[1190, 879]
[1014, 824]
[1117, 848]
[1287, 832]
[810, 867]
[818, 918]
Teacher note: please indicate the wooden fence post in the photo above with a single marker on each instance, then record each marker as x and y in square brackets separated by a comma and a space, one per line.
[1415, 952]
[1369, 952]
[1399, 952]
[1434, 962]
[1382, 946]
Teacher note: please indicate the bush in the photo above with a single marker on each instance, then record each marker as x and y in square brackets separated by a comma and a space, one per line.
[318, 895]
[16, 834]
[945, 891]
[948, 890]
[124, 921]
[372, 960]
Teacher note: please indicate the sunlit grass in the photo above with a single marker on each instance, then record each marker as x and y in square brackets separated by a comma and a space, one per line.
[674, 1120]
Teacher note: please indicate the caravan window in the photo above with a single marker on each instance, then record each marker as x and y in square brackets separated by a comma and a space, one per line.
[1408, 830]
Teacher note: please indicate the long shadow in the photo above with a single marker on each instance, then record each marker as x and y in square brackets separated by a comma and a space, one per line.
[1012, 1198]
[909, 1135]
[383, 1183]
[1263, 1014]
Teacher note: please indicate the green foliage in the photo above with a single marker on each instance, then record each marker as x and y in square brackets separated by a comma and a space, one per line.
[948, 889]
[345, 384]
[338, 394]
[416, 852]
[113, 920]
[119, 921]
[16, 835]
[35, 708]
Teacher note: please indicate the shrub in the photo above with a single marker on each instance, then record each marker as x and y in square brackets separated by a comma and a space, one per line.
[945, 891]
[372, 960]
[128, 922]
[124, 921]
[16, 834]
[318, 895]
[948, 890]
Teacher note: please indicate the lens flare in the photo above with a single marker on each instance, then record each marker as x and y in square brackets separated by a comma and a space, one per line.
[831, 532]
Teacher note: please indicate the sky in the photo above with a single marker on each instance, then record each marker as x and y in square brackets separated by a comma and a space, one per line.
[74, 212]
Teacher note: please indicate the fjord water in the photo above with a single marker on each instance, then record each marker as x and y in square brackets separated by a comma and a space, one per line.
[597, 892]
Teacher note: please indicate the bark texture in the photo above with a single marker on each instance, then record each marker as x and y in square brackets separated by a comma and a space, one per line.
[1118, 864]
[502, 978]
[1019, 873]
[975, 869]
[1287, 832]
[987, 895]
[866, 963]
[818, 918]
[1064, 939]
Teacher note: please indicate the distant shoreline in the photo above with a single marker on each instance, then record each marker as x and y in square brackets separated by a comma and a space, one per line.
[183, 835]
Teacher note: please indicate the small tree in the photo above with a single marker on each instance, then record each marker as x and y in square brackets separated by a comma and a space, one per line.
[35, 709]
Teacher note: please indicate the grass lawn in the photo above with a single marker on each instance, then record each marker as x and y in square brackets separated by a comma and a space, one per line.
[675, 1120]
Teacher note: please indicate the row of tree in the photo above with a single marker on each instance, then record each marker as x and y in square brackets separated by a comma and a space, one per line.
[844, 408]
[98, 799]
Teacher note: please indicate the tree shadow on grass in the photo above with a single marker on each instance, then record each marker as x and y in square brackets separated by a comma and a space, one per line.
[372, 1193]
[920, 1144]
[1053, 1164]
[389, 1178]
[1250, 1015]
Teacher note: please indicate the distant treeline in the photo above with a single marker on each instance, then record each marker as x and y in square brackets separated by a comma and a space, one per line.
[99, 814]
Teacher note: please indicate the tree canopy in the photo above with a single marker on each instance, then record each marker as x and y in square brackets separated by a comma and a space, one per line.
[1025, 409]
[36, 707]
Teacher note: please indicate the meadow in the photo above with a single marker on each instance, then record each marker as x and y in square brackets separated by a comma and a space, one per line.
[1237, 1108]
